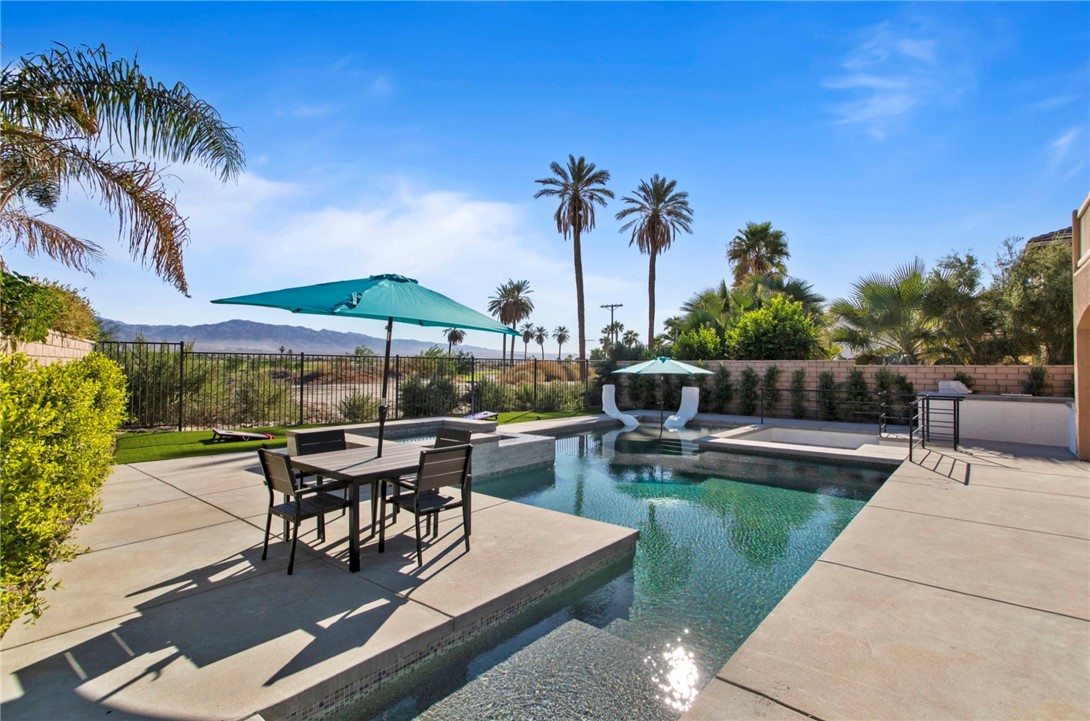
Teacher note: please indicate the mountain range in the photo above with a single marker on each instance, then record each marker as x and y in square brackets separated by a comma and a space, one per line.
[246, 336]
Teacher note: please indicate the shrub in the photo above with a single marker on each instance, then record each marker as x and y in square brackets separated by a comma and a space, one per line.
[559, 396]
[769, 390]
[698, 344]
[967, 380]
[798, 393]
[32, 308]
[437, 397]
[642, 392]
[858, 397]
[58, 423]
[900, 391]
[747, 392]
[828, 397]
[723, 390]
[780, 330]
[258, 400]
[493, 396]
[358, 407]
[1035, 382]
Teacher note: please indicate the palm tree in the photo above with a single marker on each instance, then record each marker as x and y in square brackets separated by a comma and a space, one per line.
[455, 336]
[658, 213]
[758, 249]
[887, 315]
[630, 338]
[541, 334]
[67, 116]
[764, 287]
[561, 336]
[527, 331]
[497, 306]
[611, 332]
[579, 187]
[519, 305]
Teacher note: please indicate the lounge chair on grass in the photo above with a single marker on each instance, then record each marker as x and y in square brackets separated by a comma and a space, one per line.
[690, 401]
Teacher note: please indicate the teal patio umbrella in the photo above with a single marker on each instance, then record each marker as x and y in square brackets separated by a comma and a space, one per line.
[663, 367]
[380, 297]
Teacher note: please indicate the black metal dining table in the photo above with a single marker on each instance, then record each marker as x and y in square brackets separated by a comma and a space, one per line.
[357, 466]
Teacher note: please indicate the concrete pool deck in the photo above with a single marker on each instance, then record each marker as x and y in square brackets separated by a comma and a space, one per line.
[172, 614]
[940, 600]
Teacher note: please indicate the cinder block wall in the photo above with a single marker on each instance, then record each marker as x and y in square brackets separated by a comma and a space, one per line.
[989, 379]
[57, 348]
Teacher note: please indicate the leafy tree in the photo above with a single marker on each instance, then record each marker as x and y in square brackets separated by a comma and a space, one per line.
[68, 114]
[780, 330]
[579, 187]
[886, 315]
[858, 397]
[828, 400]
[964, 310]
[561, 335]
[758, 250]
[361, 351]
[541, 334]
[658, 213]
[455, 336]
[698, 344]
[1035, 301]
[747, 392]
[770, 387]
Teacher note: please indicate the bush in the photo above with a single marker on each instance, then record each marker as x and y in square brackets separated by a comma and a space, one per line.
[747, 392]
[859, 398]
[900, 391]
[559, 396]
[258, 400]
[780, 330]
[58, 423]
[643, 392]
[1035, 382]
[769, 390]
[437, 397]
[32, 308]
[358, 407]
[966, 380]
[493, 396]
[798, 393]
[698, 344]
[723, 390]
[828, 397]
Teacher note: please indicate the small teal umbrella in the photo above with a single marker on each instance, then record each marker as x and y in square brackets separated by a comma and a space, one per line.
[380, 297]
[663, 367]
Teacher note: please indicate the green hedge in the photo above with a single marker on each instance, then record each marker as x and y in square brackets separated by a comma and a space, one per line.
[57, 423]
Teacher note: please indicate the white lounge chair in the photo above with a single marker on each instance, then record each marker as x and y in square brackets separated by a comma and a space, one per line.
[609, 406]
[690, 400]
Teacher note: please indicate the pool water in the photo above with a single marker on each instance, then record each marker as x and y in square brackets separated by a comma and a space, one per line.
[720, 544]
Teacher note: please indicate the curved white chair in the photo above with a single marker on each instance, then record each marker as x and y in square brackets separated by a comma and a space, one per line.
[609, 406]
[690, 400]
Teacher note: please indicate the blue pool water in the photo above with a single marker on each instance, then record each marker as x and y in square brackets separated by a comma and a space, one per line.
[720, 544]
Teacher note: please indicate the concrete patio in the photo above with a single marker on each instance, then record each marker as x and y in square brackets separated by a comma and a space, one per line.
[172, 614]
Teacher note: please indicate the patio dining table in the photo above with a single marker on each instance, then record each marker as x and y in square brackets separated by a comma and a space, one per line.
[357, 466]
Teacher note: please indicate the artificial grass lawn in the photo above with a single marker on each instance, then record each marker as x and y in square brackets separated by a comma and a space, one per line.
[139, 446]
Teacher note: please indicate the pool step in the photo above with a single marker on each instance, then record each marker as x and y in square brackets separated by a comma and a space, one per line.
[574, 672]
[626, 631]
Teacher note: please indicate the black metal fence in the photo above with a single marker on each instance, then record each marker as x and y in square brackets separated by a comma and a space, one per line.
[173, 386]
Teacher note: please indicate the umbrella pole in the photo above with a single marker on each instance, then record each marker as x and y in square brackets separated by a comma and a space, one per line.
[385, 379]
[662, 407]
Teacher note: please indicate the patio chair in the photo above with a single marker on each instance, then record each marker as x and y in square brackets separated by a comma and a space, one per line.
[323, 441]
[421, 495]
[690, 401]
[609, 407]
[447, 437]
[302, 502]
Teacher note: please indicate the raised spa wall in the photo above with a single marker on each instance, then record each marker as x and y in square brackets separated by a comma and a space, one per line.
[493, 453]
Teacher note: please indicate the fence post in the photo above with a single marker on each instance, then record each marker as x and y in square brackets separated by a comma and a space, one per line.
[584, 369]
[761, 396]
[397, 386]
[473, 385]
[533, 403]
[181, 383]
[302, 380]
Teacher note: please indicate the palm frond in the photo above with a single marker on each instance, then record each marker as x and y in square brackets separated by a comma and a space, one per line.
[35, 236]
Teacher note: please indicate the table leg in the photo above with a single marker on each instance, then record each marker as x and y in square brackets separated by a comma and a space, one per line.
[354, 528]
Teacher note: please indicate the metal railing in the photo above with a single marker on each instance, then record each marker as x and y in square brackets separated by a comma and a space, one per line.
[935, 419]
[172, 386]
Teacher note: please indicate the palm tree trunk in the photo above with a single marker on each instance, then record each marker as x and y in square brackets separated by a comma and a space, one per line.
[559, 350]
[503, 353]
[651, 303]
[579, 291]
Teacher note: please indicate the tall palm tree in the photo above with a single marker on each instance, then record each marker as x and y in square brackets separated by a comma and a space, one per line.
[659, 212]
[455, 336]
[887, 315]
[498, 306]
[758, 249]
[541, 334]
[630, 338]
[68, 115]
[519, 305]
[527, 331]
[579, 187]
[561, 335]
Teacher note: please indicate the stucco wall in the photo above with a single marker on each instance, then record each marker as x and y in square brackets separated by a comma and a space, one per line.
[57, 348]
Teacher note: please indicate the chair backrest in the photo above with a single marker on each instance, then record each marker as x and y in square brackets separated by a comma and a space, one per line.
[443, 467]
[447, 437]
[609, 399]
[690, 401]
[319, 442]
[279, 476]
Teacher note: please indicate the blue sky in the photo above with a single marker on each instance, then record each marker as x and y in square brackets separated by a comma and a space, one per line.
[406, 138]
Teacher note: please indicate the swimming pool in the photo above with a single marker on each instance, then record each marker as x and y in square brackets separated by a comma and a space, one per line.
[719, 546]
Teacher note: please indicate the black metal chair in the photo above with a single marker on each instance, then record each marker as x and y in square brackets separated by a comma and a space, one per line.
[301, 502]
[421, 495]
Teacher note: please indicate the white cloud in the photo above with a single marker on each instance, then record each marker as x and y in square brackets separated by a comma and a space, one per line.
[1066, 154]
[894, 72]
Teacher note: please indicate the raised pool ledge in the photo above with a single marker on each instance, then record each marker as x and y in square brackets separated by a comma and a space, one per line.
[172, 613]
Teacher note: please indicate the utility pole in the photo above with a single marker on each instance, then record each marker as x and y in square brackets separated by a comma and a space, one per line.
[612, 307]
